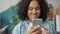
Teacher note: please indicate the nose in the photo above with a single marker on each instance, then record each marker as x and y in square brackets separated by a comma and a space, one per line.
[34, 11]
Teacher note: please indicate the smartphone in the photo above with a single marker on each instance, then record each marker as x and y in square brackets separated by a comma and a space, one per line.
[37, 22]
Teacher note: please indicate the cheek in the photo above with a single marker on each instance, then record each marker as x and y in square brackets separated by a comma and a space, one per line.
[29, 12]
[39, 12]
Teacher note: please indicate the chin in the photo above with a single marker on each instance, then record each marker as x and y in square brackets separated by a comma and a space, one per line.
[34, 18]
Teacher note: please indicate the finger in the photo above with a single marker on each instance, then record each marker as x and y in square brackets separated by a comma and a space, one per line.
[35, 26]
[36, 32]
[45, 30]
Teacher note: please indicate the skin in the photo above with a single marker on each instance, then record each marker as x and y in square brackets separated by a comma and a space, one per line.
[33, 13]
[58, 10]
[33, 10]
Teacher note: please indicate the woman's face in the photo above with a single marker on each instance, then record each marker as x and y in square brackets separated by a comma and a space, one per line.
[33, 10]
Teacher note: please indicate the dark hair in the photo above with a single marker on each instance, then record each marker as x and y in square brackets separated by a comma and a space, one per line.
[23, 9]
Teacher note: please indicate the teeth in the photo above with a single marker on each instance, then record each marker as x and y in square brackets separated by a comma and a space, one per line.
[33, 15]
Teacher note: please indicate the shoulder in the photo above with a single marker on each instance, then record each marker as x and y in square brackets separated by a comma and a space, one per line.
[47, 24]
[50, 27]
[19, 27]
[16, 29]
[21, 23]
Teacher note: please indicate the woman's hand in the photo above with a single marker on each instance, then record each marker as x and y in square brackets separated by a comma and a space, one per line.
[37, 30]
[45, 30]
[34, 30]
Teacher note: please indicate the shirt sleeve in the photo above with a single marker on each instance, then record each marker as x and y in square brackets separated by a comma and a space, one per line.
[53, 30]
[50, 27]
[16, 30]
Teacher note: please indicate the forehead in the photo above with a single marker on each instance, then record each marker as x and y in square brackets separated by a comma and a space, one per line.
[34, 3]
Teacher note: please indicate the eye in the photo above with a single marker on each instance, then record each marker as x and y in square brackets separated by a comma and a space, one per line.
[37, 8]
[30, 9]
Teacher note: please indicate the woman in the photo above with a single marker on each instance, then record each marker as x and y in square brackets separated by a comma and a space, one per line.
[33, 9]
[50, 13]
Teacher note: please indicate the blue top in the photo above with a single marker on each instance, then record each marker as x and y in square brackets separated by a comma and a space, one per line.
[22, 27]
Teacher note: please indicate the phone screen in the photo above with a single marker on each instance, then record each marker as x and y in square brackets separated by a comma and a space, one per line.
[37, 22]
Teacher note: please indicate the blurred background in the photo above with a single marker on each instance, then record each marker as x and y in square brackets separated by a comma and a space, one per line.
[8, 13]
